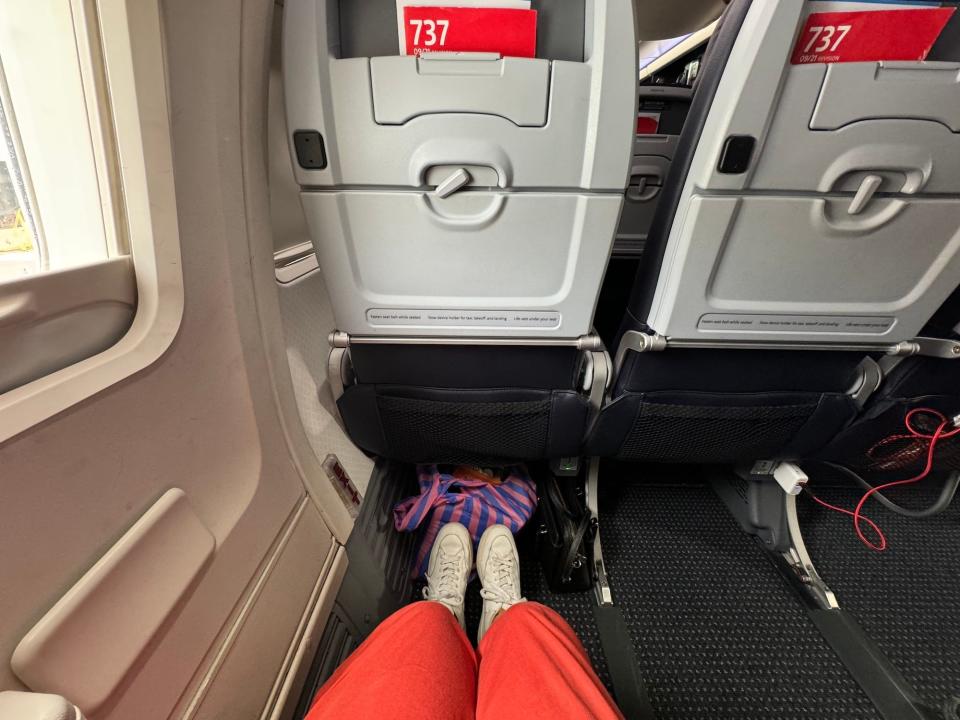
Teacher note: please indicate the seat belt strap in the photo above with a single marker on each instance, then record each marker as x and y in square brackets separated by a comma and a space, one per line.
[628, 688]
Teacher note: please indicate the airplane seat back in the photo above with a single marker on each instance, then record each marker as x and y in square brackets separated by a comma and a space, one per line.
[463, 207]
[819, 204]
[774, 273]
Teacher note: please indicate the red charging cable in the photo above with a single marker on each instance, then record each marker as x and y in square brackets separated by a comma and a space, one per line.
[933, 439]
[879, 546]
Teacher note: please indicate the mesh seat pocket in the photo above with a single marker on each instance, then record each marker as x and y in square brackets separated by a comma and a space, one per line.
[879, 443]
[687, 432]
[424, 430]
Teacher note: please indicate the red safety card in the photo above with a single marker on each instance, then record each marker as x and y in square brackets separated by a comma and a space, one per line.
[871, 35]
[512, 33]
[648, 123]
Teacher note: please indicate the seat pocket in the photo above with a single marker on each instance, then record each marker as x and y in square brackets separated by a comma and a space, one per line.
[464, 426]
[718, 427]
[879, 443]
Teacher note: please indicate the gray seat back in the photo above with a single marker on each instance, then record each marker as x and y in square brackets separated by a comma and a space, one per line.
[818, 202]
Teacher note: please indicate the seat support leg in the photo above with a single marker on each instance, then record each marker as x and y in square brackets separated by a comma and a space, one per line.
[798, 560]
[615, 639]
[763, 499]
[601, 584]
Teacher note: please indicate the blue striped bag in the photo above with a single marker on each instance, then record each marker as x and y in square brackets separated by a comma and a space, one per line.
[458, 495]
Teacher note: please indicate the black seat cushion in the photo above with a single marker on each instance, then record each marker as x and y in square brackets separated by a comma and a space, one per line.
[739, 371]
[466, 366]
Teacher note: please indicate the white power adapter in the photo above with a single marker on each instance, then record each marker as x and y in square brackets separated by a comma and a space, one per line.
[790, 477]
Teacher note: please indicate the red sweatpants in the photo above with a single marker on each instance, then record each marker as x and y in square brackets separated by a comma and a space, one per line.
[419, 664]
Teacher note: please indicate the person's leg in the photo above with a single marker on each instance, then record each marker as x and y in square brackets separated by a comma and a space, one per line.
[418, 663]
[531, 663]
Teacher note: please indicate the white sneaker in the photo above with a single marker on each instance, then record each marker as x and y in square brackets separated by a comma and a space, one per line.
[498, 566]
[448, 572]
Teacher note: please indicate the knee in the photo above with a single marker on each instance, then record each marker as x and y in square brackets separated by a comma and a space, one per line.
[424, 614]
[530, 618]
[528, 612]
[522, 617]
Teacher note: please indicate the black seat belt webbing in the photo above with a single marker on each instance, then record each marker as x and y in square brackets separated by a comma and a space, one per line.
[628, 688]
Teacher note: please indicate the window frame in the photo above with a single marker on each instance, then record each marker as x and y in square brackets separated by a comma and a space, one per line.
[130, 36]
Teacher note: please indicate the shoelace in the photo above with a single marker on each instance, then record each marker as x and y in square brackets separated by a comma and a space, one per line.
[446, 587]
[505, 592]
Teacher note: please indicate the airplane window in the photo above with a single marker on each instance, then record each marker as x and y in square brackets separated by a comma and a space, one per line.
[78, 227]
[19, 242]
[650, 51]
[59, 198]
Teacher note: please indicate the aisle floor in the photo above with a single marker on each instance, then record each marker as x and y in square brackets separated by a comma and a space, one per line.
[718, 634]
[906, 598]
